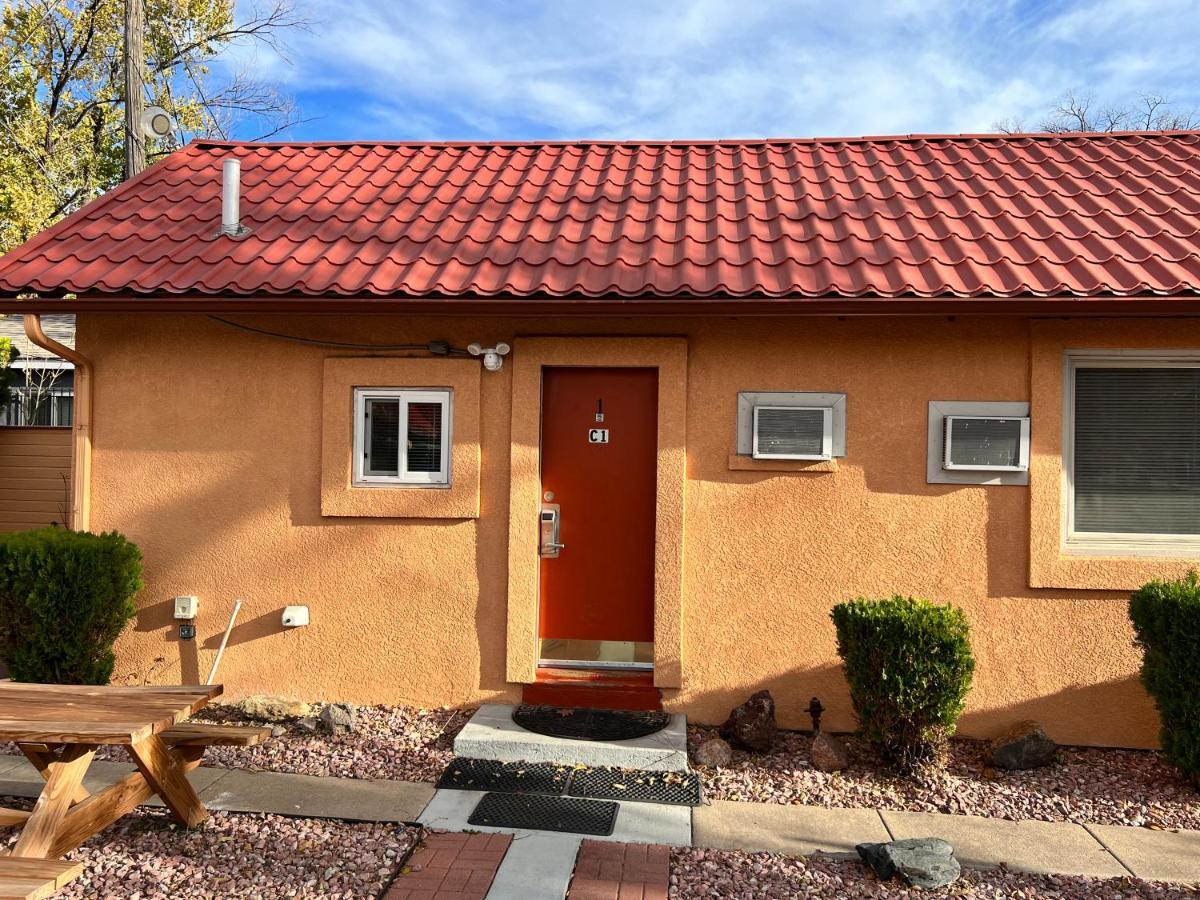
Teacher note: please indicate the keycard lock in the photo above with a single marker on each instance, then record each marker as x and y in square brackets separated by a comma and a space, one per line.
[551, 520]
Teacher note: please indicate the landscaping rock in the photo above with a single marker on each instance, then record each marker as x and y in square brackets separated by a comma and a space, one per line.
[828, 754]
[713, 752]
[307, 724]
[922, 862]
[752, 725]
[338, 718]
[1024, 746]
[274, 709]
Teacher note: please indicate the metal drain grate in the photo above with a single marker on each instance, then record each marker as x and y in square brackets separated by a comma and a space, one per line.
[678, 788]
[589, 724]
[541, 813]
[506, 777]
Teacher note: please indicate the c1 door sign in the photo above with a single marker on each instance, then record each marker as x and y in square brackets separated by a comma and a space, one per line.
[597, 435]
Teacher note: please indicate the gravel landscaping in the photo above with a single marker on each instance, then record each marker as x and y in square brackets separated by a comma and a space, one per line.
[146, 856]
[763, 876]
[1088, 784]
[400, 743]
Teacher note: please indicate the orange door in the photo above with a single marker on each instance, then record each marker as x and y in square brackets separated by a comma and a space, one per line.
[599, 455]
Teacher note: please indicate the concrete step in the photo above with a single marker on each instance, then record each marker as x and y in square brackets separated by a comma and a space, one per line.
[492, 734]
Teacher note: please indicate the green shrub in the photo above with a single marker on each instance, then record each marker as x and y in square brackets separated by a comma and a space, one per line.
[65, 596]
[1166, 620]
[908, 663]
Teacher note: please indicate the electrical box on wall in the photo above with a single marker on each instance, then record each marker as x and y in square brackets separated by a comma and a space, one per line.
[295, 616]
[185, 607]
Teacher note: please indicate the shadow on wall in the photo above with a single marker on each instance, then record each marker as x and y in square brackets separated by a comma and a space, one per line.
[791, 691]
[1112, 707]
[1119, 706]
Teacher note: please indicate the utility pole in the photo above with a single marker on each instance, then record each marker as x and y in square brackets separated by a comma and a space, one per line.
[135, 145]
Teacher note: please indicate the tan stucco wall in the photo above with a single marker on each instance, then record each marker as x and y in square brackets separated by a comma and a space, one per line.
[208, 454]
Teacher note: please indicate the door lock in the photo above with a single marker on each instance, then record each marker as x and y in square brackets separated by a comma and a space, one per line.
[549, 545]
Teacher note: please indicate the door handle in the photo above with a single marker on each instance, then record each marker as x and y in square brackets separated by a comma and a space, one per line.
[551, 520]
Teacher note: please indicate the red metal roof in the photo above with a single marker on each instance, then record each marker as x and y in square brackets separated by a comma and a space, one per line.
[923, 216]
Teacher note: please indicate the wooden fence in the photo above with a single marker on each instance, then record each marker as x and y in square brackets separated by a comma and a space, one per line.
[35, 477]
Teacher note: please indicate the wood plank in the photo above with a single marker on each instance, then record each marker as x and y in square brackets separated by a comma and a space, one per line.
[100, 810]
[164, 773]
[73, 732]
[43, 759]
[34, 879]
[52, 806]
[202, 734]
[13, 816]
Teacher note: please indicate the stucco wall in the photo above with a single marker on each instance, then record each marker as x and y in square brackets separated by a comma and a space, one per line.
[208, 454]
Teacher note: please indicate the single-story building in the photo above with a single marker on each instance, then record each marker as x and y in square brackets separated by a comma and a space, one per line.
[533, 419]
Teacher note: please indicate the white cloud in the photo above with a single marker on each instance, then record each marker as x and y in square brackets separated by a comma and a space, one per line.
[718, 68]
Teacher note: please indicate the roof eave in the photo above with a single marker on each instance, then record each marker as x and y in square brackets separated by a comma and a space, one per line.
[1100, 305]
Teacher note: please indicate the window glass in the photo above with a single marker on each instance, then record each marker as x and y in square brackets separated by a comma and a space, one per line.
[1136, 467]
[424, 437]
[383, 437]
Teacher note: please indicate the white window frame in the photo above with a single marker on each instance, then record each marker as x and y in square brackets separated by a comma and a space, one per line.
[1097, 543]
[835, 422]
[826, 434]
[1022, 451]
[405, 396]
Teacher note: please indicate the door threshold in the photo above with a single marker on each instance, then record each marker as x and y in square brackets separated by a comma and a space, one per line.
[600, 665]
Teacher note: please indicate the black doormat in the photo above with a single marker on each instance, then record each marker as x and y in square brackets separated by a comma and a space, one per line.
[508, 777]
[541, 813]
[589, 724]
[677, 788]
[602, 783]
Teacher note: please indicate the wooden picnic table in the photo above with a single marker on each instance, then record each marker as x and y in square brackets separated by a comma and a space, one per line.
[60, 727]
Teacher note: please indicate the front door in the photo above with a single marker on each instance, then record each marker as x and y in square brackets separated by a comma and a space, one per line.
[599, 483]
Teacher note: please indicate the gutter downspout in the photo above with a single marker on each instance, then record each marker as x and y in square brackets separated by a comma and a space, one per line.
[81, 443]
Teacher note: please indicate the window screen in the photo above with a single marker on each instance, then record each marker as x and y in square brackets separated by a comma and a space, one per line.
[973, 442]
[1136, 467]
[791, 432]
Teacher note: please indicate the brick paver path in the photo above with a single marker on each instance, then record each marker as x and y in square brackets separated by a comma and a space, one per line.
[451, 866]
[605, 870]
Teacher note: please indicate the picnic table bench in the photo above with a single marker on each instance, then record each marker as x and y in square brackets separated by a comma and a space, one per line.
[59, 728]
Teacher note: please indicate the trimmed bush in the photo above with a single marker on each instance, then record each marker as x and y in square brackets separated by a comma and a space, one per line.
[65, 596]
[1166, 620]
[909, 665]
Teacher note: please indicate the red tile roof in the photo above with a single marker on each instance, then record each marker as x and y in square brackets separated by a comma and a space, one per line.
[917, 216]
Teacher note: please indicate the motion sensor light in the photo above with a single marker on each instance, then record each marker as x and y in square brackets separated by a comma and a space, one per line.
[493, 357]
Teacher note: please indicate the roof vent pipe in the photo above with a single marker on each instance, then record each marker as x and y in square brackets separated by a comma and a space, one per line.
[231, 198]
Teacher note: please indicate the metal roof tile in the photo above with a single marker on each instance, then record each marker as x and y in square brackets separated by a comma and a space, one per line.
[932, 216]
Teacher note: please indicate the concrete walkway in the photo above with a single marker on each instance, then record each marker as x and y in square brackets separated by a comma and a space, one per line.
[1042, 847]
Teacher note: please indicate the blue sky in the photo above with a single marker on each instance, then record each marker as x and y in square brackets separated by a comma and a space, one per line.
[495, 70]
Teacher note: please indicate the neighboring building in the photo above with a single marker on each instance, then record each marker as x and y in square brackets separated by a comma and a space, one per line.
[43, 385]
[747, 380]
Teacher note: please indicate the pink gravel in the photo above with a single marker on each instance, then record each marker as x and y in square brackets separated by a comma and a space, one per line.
[145, 856]
[1088, 785]
[400, 743]
[697, 874]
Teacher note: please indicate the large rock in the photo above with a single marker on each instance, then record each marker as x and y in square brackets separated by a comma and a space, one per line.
[828, 753]
[714, 752]
[921, 862]
[1024, 746]
[338, 718]
[274, 709]
[752, 725]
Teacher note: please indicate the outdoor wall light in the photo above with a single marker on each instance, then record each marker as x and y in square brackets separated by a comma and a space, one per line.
[493, 357]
